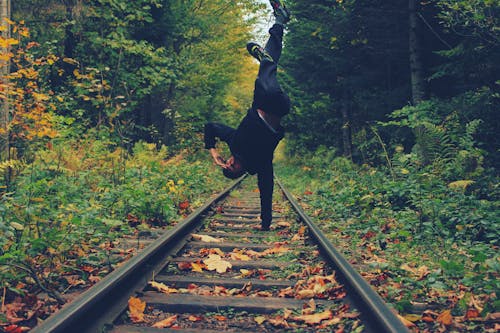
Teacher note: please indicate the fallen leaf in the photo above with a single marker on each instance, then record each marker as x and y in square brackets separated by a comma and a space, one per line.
[184, 266]
[206, 238]
[220, 318]
[405, 321]
[195, 318]
[279, 321]
[240, 256]
[315, 318]
[215, 262]
[136, 309]
[309, 307]
[471, 313]
[445, 317]
[162, 287]
[260, 319]
[216, 250]
[284, 224]
[307, 293]
[196, 267]
[184, 205]
[245, 272]
[413, 317]
[165, 322]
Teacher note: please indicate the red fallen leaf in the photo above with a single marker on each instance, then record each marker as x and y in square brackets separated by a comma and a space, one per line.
[184, 266]
[220, 318]
[471, 313]
[184, 205]
[369, 234]
[13, 329]
[219, 209]
[308, 192]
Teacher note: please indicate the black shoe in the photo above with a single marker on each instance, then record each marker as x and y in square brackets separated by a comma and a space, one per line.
[281, 13]
[258, 52]
[265, 228]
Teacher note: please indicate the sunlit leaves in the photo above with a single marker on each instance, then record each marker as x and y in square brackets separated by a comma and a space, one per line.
[136, 309]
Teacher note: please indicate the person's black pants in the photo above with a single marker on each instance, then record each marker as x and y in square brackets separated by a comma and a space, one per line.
[268, 95]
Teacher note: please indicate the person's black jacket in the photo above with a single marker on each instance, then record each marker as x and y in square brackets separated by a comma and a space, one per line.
[253, 143]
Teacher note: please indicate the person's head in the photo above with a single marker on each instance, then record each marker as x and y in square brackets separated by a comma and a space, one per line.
[234, 168]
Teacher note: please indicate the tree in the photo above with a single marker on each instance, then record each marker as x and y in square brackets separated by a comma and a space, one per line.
[418, 88]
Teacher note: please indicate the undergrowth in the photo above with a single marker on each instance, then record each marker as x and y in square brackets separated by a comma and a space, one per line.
[417, 237]
[73, 200]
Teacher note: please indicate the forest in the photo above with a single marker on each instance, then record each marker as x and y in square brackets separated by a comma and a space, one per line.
[392, 142]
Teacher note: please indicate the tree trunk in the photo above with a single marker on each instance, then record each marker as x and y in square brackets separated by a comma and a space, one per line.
[418, 85]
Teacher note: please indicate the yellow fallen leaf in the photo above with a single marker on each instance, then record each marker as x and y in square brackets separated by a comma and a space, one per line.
[445, 317]
[284, 224]
[245, 272]
[215, 262]
[405, 321]
[315, 318]
[162, 287]
[136, 309]
[165, 322]
[240, 256]
[207, 239]
[196, 267]
[260, 319]
[218, 251]
[413, 317]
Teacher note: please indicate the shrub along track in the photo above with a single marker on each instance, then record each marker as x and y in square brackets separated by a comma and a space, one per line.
[215, 271]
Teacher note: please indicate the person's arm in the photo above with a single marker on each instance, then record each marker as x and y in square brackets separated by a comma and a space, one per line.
[266, 186]
[213, 131]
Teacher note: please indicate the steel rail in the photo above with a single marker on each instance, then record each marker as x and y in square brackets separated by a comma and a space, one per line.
[84, 312]
[375, 308]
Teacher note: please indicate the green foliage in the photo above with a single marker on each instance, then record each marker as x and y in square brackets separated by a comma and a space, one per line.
[402, 222]
[78, 196]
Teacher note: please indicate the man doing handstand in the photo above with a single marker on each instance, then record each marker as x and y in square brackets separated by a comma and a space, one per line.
[253, 143]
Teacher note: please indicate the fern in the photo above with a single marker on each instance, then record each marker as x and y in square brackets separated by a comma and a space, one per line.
[13, 165]
[432, 144]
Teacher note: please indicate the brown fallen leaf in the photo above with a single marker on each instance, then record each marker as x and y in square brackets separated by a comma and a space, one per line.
[194, 318]
[445, 318]
[306, 293]
[207, 239]
[136, 309]
[315, 318]
[165, 322]
[309, 307]
[215, 262]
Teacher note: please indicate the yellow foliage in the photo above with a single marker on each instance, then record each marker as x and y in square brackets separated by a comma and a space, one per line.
[460, 184]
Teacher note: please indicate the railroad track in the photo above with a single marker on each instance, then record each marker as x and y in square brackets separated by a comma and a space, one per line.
[215, 272]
